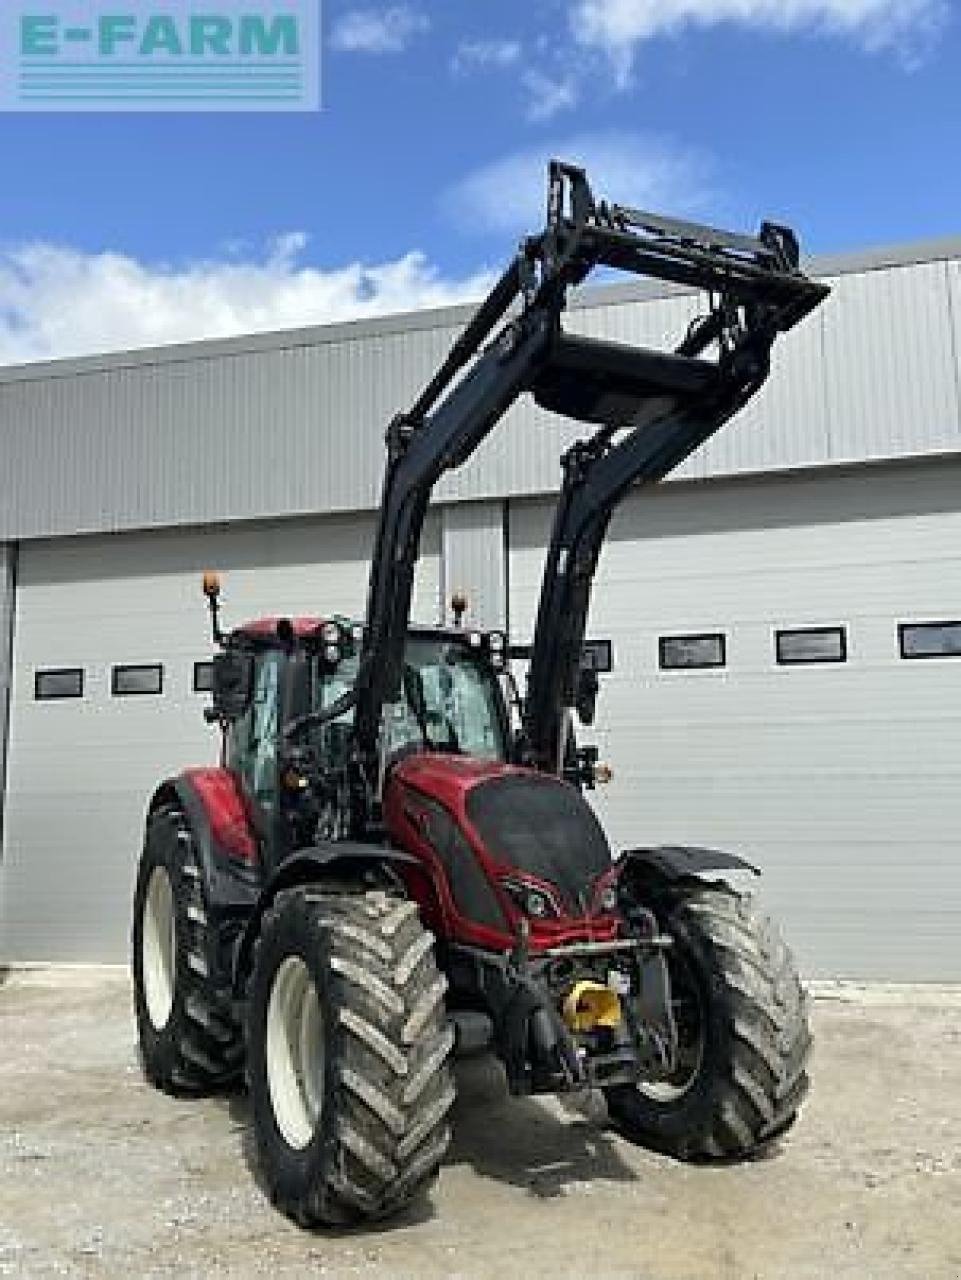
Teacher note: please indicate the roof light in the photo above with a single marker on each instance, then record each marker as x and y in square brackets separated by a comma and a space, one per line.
[458, 604]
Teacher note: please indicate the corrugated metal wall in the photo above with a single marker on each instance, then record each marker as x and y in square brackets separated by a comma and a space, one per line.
[475, 562]
[294, 423]
[8, 562]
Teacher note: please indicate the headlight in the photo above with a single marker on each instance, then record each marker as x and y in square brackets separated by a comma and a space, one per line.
[609, 899]
[536, 902]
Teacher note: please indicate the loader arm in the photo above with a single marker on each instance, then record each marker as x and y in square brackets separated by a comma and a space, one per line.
[591, 381]
[688, 399]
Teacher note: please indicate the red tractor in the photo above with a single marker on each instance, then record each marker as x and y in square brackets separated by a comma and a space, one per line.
[395, 860]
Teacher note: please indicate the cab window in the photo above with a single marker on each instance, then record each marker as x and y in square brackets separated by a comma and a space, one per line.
[253, 738]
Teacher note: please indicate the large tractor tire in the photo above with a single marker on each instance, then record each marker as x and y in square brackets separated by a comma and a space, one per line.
[743, 1033]
[348, 1051]
[189, 1041]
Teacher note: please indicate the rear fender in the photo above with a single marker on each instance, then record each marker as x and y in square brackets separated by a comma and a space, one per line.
[333, 865]
[224, 837]
[221, 834]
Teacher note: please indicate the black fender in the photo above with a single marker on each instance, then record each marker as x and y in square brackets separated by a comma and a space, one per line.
[319, 864]
[648, 877]
[674, 862]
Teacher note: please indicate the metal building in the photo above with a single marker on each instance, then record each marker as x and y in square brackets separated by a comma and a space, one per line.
[784, 612]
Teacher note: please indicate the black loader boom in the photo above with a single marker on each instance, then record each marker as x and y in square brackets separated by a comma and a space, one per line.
[669, 402]
[654, 409]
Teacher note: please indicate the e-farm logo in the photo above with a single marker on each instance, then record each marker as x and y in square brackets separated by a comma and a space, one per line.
[230, 55]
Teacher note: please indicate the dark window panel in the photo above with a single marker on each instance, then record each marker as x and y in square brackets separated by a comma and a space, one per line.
[597, 656]
[137, 679]
[64, 683]
[930, 639]
[811, 644]
[203, 677]
[689, 653]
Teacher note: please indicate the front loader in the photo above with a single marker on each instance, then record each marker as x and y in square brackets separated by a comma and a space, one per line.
[381, 870]
[740, 1067]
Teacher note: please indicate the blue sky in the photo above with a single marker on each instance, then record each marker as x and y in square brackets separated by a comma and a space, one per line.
[842, 117]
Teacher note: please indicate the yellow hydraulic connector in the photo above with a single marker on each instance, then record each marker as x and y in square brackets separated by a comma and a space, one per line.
[588, 1005]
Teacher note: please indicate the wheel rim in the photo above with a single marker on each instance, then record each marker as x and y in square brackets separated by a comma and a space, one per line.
[159, 948]
[295, 1053]
[687, 1006]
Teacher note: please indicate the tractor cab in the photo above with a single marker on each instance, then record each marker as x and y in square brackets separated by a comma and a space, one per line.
[276, 681]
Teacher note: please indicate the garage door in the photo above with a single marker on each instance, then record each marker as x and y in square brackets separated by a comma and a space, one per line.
[81, 768]
[842, 779]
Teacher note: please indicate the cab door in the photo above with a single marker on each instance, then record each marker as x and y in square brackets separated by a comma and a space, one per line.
[252, 751]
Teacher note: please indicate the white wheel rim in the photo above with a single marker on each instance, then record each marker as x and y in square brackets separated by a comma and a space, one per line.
[691, 1054]
[159, 948]
[295, 1053]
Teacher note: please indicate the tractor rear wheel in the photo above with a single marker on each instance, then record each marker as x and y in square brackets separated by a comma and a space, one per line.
[189, 1041]
[744, 1043]
[348, 1051]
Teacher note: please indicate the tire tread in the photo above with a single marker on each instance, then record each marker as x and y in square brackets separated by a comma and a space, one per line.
[388, 1059]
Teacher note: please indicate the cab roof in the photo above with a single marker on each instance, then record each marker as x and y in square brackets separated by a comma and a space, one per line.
[268, 631]
[266, 628]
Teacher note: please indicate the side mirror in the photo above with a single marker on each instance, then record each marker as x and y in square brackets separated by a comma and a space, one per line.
[585, 695]
[232, 684]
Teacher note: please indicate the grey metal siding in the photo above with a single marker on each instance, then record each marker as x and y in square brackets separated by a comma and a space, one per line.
[8, 561]
[293, 423]
[474, 561]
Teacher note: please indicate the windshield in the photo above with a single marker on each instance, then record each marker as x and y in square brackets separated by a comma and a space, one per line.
[450, 701]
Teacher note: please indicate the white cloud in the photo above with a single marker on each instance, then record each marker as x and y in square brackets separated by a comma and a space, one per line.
[58, 301]
[548, 95]
[619, 26]
[482, 55]
[508, 196]
[378, 30]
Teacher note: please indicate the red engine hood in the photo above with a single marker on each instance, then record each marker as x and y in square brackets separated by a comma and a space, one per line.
[449, 780]
[446, 777]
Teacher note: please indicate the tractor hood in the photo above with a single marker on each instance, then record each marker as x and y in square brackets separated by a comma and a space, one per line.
[520, 828]
[448, 778]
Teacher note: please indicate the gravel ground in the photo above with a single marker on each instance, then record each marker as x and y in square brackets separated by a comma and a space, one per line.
[102, 1176]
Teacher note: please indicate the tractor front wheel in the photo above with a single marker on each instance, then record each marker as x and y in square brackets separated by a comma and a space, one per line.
[743, 1038]
[348, 1047]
